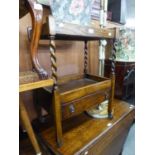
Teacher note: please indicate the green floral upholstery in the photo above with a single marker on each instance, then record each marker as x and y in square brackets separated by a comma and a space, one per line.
[70, 11]
[44, 2]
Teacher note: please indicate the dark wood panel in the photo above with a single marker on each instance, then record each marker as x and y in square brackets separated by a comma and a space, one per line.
[121, 70]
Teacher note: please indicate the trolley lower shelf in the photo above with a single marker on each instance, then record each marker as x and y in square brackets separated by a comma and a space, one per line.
[79, 94]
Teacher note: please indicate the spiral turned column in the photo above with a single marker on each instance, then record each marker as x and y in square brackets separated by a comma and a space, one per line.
[111, 105]
[53, 61]
[85, 57]
[56, 103]
[113, 58]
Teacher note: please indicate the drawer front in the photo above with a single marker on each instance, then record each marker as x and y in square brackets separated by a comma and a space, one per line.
[75, 94]
[109, 33]
[80, 105]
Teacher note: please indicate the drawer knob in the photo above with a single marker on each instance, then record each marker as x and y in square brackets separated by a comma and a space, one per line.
[72, 108]
[131, 106]
[90, 30]
[128, 71]
[109, 124]
[61, 25]
[109, 34]
[86, 152]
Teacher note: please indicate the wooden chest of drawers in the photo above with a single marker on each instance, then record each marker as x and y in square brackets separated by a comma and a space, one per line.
[84, 135]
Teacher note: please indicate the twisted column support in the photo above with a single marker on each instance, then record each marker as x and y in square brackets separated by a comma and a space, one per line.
[85, 57]
[53, 61]
[113, 58]
[110, 105]
[56, 103]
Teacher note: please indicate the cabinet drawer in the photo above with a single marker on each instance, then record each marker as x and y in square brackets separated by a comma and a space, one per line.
[77, 106]
[109, 33]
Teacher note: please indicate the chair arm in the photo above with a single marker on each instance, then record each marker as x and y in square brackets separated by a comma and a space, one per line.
[36, 11]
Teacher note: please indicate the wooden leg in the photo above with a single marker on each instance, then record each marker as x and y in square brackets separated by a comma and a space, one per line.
[57, 116]
[26, 122]
[110, 105]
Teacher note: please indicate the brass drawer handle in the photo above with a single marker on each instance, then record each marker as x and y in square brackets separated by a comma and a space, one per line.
[86, 152]
[90, 30]
[109, 34]
[72, 108]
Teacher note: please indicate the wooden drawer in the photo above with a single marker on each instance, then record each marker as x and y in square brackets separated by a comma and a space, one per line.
[77, 106]
[109, 33]
[76, 95]
[84, 89]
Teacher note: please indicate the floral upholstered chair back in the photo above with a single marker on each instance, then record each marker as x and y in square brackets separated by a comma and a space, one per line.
[70, 11]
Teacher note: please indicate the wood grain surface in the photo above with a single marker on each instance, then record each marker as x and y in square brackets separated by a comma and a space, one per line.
[83, 133]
